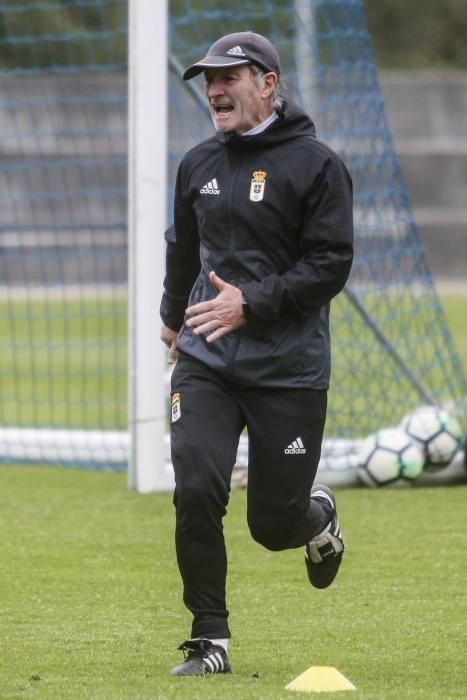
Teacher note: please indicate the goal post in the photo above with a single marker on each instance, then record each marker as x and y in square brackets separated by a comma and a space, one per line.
[147, 206]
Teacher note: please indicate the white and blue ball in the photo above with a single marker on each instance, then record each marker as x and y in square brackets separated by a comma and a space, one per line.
[436, 432]
[389, 457]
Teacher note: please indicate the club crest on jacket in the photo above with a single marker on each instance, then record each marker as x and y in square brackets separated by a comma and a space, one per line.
[258, 183]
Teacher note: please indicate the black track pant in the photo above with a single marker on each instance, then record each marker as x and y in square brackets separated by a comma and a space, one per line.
[208, 417]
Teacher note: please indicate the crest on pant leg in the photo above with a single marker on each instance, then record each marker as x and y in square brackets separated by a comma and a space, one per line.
[176, 407]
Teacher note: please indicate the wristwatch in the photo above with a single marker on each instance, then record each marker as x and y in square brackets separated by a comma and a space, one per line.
[246, 311]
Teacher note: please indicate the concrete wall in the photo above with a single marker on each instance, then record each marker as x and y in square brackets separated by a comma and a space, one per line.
[63, 179]
[427, 113]
[81, 232]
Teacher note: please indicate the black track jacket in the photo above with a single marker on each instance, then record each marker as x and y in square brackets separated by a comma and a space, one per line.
[272, 214]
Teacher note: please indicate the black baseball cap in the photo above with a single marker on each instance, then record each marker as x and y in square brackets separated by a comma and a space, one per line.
[237, 49]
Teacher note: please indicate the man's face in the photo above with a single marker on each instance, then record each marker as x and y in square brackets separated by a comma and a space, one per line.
[238, 102]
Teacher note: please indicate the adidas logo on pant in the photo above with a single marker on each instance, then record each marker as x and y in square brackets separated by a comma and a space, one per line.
[295, 448]
[210, 187]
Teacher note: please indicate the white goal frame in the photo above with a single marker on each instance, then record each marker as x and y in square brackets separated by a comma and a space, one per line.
[147, 202]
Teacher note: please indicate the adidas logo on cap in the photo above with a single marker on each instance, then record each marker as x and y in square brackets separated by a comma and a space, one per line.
[295, 448]
[235, 51]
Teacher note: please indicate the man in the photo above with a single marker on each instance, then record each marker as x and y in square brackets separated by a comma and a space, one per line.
[261, 242]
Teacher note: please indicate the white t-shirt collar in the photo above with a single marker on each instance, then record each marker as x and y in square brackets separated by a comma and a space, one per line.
[261, 127]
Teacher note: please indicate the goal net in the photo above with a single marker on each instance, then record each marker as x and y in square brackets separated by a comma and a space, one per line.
[392, 349]
[63, 231]
[63, 219]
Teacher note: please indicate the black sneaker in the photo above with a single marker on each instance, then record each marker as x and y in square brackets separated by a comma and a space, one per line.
[201, 657]
[323, 554]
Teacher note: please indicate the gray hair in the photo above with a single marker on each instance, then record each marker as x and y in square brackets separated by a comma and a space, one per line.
[257, 73]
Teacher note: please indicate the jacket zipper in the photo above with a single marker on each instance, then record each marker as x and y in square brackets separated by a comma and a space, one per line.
[232, 249]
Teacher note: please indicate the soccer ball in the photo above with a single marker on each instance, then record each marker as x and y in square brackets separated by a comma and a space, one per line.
[389, 457]
[436, 432]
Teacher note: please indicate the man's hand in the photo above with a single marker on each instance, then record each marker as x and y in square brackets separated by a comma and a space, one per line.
[169, 338]
[220, 315]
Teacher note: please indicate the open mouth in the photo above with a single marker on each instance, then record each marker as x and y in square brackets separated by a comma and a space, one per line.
[222, 109]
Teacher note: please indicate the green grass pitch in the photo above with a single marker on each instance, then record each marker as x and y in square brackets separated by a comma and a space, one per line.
[455, 306]
[49, 376]
[91, 607]
[90, 597]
